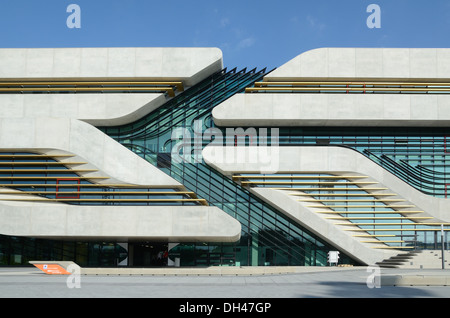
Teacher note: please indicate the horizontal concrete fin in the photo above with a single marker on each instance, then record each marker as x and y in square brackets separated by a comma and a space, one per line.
[383, 110]
[364, 63]
[189, 65]
[120, 223]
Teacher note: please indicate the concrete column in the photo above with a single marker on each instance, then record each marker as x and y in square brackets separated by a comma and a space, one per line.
[125, 261]
[169, 247]
[254, 250]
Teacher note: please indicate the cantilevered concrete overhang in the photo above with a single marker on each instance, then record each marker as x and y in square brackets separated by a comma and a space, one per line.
[387, 87]
[25, 214]
[118, 223]
[60, 135]
[327, 159]
[95, 109]
[388, 64]
[127, 80]
[383, 110]
[321, 160]
[189, 65]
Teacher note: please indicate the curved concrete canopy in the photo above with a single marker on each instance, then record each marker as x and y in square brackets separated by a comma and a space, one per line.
[384, 110]
[87, 142]
[327, 159]
[60, 124]
[364, 63]
[118, 223]
[189, 65]
[324, 229]
[96, 109]
[301, 159]
[334, 160]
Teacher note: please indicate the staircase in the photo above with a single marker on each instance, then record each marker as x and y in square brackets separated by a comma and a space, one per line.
[418, 259]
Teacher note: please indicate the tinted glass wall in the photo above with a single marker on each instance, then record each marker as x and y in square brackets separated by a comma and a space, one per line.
[268, 237]
[18, 251]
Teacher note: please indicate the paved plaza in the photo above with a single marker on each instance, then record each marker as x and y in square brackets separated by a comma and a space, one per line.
[311, 283]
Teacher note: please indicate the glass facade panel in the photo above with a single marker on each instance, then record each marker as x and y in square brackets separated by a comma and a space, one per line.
[416, 155]
[18, 251]
[264, 239]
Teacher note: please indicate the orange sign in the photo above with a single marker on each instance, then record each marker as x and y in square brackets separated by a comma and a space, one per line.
[53, 269]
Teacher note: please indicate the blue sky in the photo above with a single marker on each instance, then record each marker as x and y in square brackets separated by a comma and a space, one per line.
[250, 33]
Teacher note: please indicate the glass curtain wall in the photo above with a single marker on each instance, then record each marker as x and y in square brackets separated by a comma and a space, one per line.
[18, 251]
[417, 155]
[268, 237]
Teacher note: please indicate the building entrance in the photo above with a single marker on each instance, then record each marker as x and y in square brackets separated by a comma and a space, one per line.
[149, 254]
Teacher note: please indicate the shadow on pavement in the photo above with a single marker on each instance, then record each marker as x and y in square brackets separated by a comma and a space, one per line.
[338, 289]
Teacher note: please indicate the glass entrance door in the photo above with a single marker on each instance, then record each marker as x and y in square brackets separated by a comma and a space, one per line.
[150, 254]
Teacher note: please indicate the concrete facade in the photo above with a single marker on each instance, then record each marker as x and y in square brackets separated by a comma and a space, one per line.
[336, 161]
[334, 110]
[366, 63]
[189, 65]
[290, 108]
[119, 224]
[63, 124]
[347, 64]
[95, 109]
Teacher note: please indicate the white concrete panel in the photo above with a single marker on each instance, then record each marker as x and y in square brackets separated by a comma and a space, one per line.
[44, 220]
[94, 62]
[55, 133]
[13, 63]
[97, 109]
[396, 63]
[90, 144]
[324, 229]
[443, 63]
[159, 224]
[342, 62]
[12, 105]
[12, 221]
[121, 62]
[396, 107]
[311, 62]
[368, 109]
[337, 160]
[384, 110]
[443, 107]
[310, 107]
[423, 63]
[39, 63]
[67, 63]
[189, 65]
[149, 63]
[278, 110]
[41, 107]
[122, 109]
[80, 221]
[255, 102]
[111, 157]
[340, 107]
[91, 106]
[61, 105]
[121, 223]
[16, 132]
[423, 107]
[366, 63]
